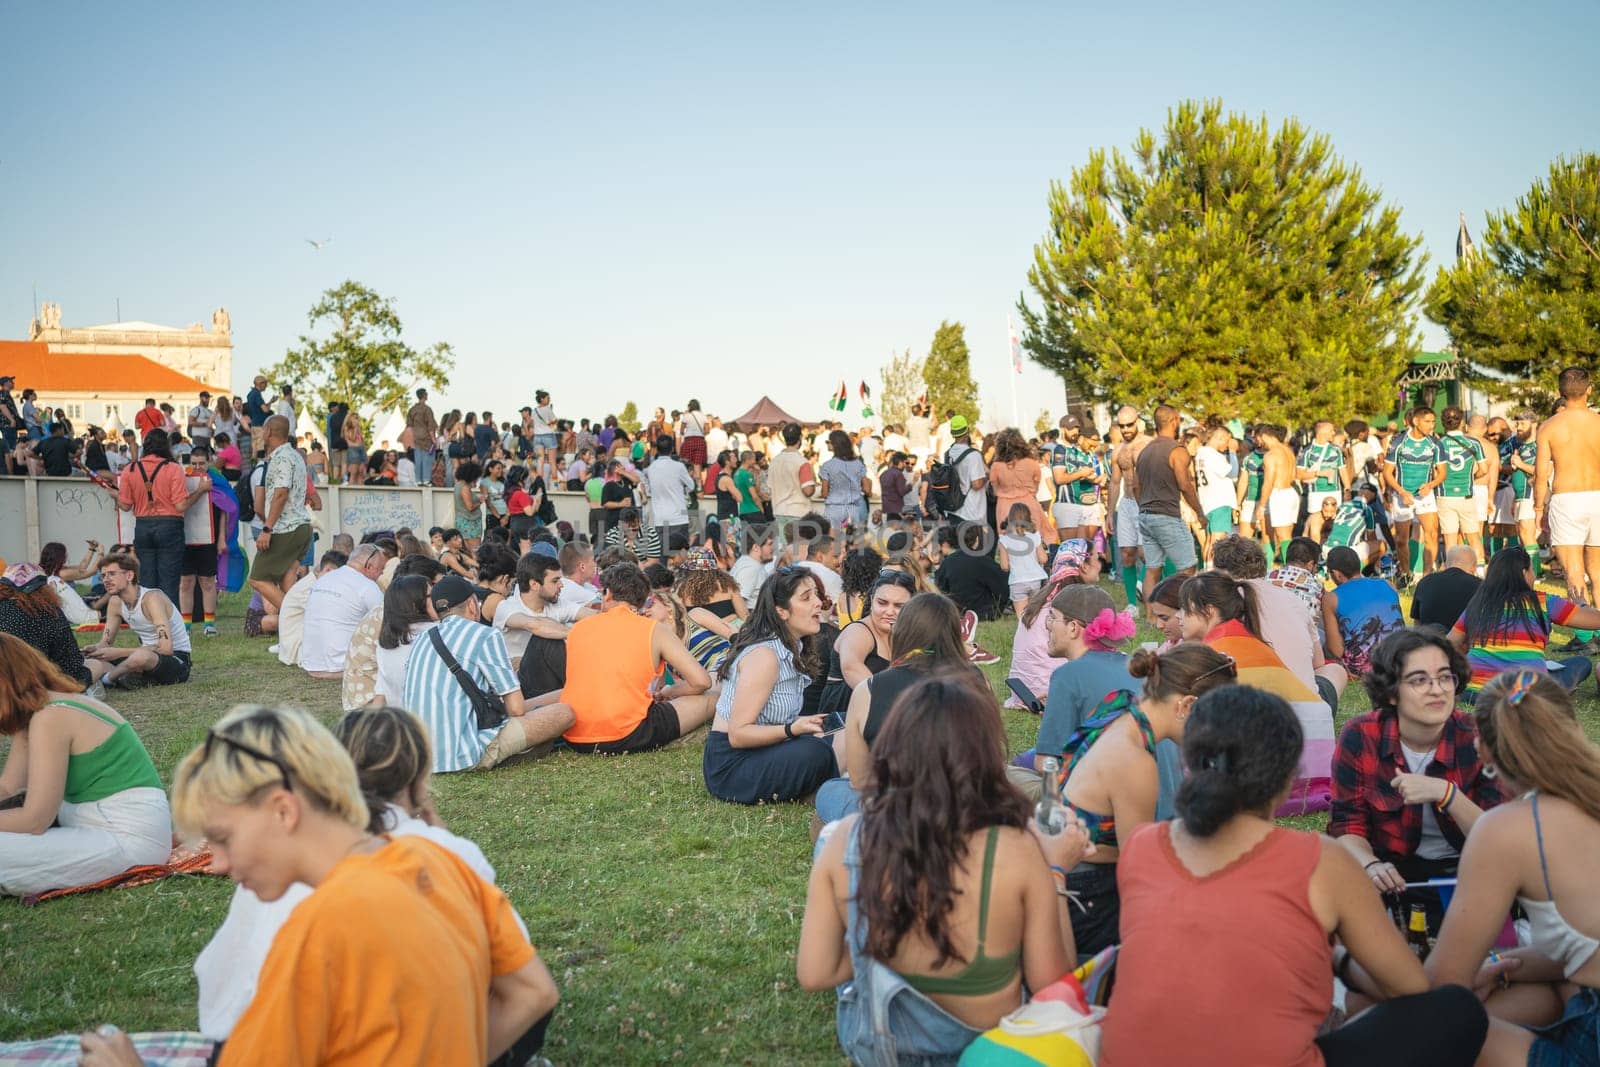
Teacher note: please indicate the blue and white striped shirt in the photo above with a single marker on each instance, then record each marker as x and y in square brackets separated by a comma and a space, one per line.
[788, 692]
[434, 696]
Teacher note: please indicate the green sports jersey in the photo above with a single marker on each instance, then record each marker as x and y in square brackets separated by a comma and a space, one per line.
[1522, 482]
[1461, 453]
[1413, 459]
[1327, 460]
[1252, 474]
[1084, 490]
[1350, 524]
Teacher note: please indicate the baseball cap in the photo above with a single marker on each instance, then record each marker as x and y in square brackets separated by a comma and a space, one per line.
[544, 548]
[1071, 422]
[450, 591]
[204, 395]
[958, 426]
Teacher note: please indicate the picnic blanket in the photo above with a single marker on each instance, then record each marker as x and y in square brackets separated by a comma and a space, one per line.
[185, 859]
[173, 1048]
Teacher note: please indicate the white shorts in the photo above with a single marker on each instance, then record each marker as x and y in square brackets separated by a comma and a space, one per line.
[1458, 514]
[1072, 515]
[1247, 512]
[1480, 501]
[1283, 508]
[1128, 524]
[1574, 519]
[1425, 505]
[1362, 549]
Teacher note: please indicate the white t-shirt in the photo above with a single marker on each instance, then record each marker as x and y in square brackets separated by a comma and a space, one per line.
[512, 606]
[1022, 553]
[391, 681]
[1212, 472]
[285, 407]
[669, 484]
[337, 604]
[1432, 845]
[544, 419]
[201, 418]
[750, 573]
[832, 584]
[716, 441]
[405, 471]
[577, 593]
[971, 469]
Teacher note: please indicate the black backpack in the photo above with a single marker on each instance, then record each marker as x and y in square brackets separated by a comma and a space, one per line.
[945, 491]
[247, 498]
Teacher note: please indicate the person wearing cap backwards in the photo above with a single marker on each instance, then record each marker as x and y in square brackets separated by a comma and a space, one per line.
[435, 696]
[968, 462]
[201, 420]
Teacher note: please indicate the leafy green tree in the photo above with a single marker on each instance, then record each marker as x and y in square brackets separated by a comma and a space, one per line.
[1527, 304]
[902, 384]
[1223, 266]
[947, 372]
[363, 362]
[1044, 423]
[629, 419]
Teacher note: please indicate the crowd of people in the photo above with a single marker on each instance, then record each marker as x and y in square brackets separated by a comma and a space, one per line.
[813, 632]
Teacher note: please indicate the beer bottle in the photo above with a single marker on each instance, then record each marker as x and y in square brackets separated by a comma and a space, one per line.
[1417, 932]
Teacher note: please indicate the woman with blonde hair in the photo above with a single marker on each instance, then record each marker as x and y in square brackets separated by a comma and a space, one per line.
[281, 803]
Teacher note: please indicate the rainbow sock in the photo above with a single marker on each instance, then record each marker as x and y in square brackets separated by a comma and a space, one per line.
[210, 617]
[1132, 575]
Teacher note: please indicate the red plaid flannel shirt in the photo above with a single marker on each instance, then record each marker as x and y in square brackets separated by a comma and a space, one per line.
[1367, 760]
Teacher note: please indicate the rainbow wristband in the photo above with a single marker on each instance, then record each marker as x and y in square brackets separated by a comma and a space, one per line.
[1448, 799]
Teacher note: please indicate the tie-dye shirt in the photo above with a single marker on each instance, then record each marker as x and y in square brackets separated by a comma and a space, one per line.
[1518, 644]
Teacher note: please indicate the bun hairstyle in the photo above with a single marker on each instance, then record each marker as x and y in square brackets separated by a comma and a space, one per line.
[1229, 597]
[1241, 748]
[391, 753]
[1187, 669]
[1529, 730]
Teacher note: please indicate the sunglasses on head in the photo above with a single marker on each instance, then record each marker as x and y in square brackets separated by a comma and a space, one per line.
[212, 736]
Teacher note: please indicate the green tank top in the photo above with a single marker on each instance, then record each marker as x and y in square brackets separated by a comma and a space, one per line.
[984, 974]
[117, 763]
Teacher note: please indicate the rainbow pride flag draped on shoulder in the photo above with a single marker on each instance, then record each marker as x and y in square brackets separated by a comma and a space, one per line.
[1259, 665]
[230, 558]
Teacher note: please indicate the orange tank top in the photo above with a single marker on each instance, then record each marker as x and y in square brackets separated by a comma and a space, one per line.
[609, 671]
[1244, 934]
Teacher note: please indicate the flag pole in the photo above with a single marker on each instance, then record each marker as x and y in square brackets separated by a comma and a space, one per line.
[1016, 369]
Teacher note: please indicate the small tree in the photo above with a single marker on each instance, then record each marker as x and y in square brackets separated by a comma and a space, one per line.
[947, 372]
[902, 384]
[364, 363]
[1528, 304]
[1043, 424]
[629, 419]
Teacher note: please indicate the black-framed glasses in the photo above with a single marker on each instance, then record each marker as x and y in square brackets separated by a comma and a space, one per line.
[213, 736]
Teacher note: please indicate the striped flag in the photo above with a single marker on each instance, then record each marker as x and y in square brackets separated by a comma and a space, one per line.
[1016, 346]
[1464, 249]
[839, 398]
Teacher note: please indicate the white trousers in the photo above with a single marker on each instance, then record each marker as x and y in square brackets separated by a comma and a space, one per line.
[93, 842]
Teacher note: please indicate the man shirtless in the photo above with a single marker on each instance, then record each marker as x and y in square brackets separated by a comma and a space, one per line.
[1122, 505]
[1566, 485]
[1282, 503]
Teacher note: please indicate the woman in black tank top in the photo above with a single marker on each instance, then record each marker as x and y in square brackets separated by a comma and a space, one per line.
[852, 658]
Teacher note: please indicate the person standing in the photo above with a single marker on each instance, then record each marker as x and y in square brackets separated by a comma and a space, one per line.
[1077, 486]
[1281, 502]
[1566, 485]
[919, 432]
[155, 491]
[692, 441]
[338, 447]
[546, 434]
[286, 406]
[846, 478]
[10, 418]
[669, 484]
[1323, 468]
[791, 478]
[1465, 462]
[285, 516]
[256, 413]
[1164, 478]
[972, 476]
[1122, 502]
[1413, 468]
[201, 423]
[1214, 474]
[1522, 460]
[424, 427]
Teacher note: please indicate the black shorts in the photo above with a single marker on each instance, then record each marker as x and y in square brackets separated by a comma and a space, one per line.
[200, 560]
[658, 727]
[169, 670]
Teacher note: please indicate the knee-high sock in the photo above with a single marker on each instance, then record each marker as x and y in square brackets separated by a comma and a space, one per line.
[1132, 577]
[1533, 554]
[1168, 569]
[1415, 548]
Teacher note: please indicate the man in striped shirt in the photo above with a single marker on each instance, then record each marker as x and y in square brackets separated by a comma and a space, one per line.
[434, 695]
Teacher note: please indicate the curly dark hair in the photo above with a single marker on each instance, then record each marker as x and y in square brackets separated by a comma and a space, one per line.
[1242, 748]
[860, 569]
[938, 777]
[697, 587]
[1389, 663]
[468, 471]
[1010, 446]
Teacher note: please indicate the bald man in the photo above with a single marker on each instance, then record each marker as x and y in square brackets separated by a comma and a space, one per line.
[1122, 503]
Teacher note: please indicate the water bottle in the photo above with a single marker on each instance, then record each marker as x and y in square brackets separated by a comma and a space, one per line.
[1051, 813]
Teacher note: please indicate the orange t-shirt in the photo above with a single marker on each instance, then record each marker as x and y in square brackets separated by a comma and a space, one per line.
[609, 671]
[387, 962]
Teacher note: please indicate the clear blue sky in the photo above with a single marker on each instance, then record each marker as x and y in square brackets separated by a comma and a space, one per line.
[628, 202]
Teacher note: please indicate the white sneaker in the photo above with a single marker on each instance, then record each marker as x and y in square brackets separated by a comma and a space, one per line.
[273, 648]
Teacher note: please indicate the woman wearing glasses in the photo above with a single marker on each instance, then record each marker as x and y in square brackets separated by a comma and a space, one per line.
[1408, 783]
[280, 802]
[80, 800]
[1110, 779]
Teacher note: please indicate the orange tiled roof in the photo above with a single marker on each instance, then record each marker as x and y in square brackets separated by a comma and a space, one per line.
[34, 366]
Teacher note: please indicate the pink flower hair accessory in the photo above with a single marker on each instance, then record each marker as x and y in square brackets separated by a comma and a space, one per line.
[1110, 628]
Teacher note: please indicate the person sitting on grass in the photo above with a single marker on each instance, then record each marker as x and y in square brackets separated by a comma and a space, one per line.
[863, 647]
[1022, 555]
[926, 637]
[1261, 905]
[360, 684]
[1110, 777]
[1409, 826]
[1542, 852]
[292, 610]
[455, 557]
[968, 573]
[761, 748]
[281, 803]
[1507, 625]
[337, 603]
[30, 610]
[162, 657]
[714, 607]
[1357, 612]
[613, 701]
[1032, 662]
[53, 562]
[434, 693]
[80, 800]
[857, 574]
[535, 615]
[942, 883]
[497, 573]
[1164, 609]
[407, 615]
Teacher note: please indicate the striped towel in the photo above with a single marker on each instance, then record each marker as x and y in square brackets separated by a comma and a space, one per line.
[165, 1049]
[1259, 666]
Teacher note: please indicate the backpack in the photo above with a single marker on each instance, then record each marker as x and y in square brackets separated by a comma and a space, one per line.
[946, 494]
[247, 498]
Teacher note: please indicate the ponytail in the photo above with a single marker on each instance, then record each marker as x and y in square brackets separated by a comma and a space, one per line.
[1528, 724]
[1229, 597]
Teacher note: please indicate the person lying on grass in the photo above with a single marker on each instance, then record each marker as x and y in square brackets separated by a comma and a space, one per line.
[447, 976]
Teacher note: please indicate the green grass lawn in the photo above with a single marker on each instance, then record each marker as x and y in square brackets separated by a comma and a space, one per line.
[669, 919]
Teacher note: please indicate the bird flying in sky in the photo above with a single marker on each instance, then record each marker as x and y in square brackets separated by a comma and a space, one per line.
[317, 245]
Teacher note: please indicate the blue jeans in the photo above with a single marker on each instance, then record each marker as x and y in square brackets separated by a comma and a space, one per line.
[1166, 538]
[158, 542]
[836, 799]
[1574, 670]
[423, 460]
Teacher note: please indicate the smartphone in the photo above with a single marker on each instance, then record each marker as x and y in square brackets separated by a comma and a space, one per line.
[1024, 694]
[833, 722]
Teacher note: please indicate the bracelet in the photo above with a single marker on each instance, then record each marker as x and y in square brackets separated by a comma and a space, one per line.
[1373, 864]
[1448, 799]
[1059, 874]
[788, 728]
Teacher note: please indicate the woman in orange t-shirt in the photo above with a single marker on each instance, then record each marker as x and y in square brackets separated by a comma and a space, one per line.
[278, 799]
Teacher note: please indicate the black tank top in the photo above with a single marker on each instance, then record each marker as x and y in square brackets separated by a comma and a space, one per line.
[1158, 485]
[886, 687]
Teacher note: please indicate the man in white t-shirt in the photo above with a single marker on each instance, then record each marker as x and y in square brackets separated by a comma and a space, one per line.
[752, 568]
[578, 573]
[670, 485]
[536, 611]
[338, 601]
[823, 557]
[292, 610]
[201, 418]
[1213, 476]
[968, 462]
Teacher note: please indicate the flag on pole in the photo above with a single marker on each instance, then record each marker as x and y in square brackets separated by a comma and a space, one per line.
[866, 401]
[1016, 346]
[839, 398]
[1464, 249]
